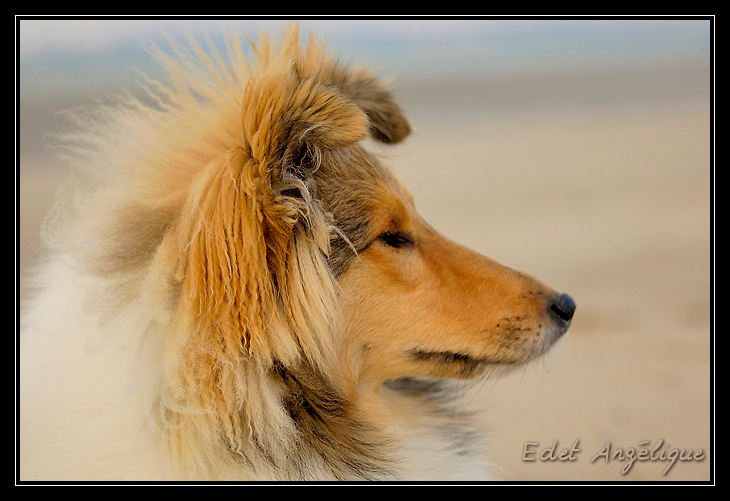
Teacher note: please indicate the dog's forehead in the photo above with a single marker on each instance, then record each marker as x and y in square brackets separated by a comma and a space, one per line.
[356, 177]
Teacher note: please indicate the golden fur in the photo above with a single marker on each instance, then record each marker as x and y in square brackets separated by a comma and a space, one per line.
[259, 297]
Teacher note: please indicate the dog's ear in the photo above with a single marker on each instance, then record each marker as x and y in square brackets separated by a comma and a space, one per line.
[388, 123]
[288, 118]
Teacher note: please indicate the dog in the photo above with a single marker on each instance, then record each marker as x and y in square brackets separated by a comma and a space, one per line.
[247, 293]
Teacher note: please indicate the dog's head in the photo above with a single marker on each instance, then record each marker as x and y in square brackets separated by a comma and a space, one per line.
[301, 260]
[300, 243]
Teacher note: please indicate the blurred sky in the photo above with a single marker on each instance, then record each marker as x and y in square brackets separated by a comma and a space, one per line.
[54, 53]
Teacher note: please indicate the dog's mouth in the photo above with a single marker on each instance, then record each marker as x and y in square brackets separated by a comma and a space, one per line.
[460, 364]
[464, 364]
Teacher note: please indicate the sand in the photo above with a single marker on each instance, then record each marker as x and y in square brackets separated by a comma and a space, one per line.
[600, 187]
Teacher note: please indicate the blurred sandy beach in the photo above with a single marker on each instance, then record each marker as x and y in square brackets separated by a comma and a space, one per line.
[596, 183]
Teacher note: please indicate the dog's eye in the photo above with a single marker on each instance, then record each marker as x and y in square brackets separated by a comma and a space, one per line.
[396, 240]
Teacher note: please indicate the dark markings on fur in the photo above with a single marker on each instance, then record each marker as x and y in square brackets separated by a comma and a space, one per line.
[132, 245]
[329, 427]
[439, 399]
[341, 251]
[417, 387]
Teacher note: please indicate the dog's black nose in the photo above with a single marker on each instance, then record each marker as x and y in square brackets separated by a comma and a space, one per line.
[563, 307]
